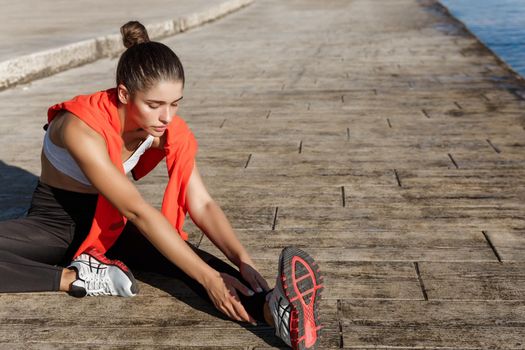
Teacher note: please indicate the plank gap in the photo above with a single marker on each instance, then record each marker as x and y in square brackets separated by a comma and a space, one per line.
[497, 150]
[275, 218]
[308, 107]
[301, 147]
[425, 113]
[343, 195]
[458, 105]
[485, 97]
[268, 115]
[222, 124]
[491, 245]
[453, 161]
[248, 161]
[421, 284]
[388, 121]
[342, 98]
[339, 314]
[375, 91]
[347, 134]
[398, 179]
[341, 341]
[200, 240]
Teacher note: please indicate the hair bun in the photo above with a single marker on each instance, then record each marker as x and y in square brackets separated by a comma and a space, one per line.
[133, 33]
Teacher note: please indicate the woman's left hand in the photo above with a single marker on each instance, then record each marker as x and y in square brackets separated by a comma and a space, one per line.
[253, 277]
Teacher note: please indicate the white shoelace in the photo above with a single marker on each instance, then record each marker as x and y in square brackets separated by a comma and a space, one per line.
[97, 283]
[280, 309]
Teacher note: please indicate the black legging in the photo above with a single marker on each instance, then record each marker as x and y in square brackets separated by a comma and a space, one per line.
[34, 249]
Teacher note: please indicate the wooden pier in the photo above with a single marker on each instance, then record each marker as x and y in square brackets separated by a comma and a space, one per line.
[380, 136]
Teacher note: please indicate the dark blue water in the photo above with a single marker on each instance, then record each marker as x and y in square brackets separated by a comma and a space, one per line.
[499, 24]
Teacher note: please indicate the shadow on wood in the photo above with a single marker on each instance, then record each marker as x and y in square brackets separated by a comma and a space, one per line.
[16, 189]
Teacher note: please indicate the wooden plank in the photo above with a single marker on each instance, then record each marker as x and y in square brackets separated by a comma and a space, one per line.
[342, 279]
[130, 336]
[443, 324]
[301, 177]
[509, 243]
[254, 195]
[360, 279]
[97, 346]
[142, 321]
[361, 244]
[474, 281]
[392, 216]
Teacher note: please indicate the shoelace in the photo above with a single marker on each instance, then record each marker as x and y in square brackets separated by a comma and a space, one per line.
[284, 317]
[280, 310]
[97, 283]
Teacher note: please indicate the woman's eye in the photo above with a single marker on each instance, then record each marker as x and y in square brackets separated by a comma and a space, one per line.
[153, 106]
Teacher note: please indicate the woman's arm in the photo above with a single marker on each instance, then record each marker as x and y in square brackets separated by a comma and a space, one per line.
[89, 150]
[210, 218]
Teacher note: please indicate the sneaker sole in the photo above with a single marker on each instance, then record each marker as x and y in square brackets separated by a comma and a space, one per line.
[95, 254]
[302, 285]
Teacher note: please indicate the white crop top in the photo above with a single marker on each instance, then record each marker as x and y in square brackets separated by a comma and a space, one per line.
[61, 159]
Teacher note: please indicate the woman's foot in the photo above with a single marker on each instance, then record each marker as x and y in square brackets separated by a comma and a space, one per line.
[98, 275]
[294, 303]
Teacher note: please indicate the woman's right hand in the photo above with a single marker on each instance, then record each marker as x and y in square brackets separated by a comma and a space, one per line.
[222, 290]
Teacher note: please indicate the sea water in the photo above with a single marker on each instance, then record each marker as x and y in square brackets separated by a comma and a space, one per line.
[499, 24]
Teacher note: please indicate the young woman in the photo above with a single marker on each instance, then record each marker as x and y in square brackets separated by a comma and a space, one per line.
[85, 211]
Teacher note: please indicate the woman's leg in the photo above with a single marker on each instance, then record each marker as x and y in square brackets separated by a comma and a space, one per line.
[33, 248]
[139, 254]
[292, 307]
[27, 257]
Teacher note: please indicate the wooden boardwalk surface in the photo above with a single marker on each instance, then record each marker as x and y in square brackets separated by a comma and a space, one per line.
[380, 136]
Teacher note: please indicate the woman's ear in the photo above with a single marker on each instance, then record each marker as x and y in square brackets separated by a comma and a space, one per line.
[123, 94]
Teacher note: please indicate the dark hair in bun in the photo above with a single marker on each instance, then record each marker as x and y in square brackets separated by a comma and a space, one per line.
[145, 62]
[133, 33]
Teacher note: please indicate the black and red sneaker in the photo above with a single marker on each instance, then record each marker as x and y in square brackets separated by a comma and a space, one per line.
[294, 303]
[98, 275]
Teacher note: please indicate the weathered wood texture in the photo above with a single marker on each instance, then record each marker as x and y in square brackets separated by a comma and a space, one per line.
[378, 135]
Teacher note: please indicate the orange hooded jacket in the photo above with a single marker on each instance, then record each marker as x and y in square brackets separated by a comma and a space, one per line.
[99, 111]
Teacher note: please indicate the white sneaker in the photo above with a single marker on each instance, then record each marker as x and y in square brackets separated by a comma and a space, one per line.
[294, 303]
[98, 275]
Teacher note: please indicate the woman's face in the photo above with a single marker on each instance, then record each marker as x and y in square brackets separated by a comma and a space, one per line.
[154, 109]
